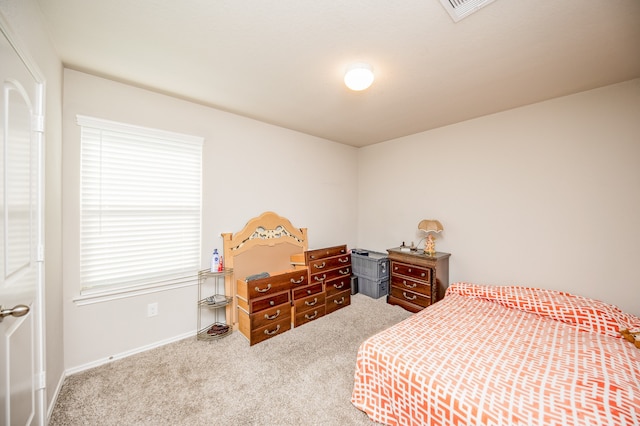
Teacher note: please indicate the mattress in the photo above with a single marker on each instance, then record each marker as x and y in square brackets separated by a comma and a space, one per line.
[502, 356]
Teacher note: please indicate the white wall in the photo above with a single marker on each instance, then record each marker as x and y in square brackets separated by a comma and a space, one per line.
[249, 167]
[25, 22]
[547, 195]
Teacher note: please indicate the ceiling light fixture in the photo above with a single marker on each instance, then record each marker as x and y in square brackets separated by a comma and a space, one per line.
[358, 76]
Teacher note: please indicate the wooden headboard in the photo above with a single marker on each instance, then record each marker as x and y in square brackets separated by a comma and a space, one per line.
[265, 244]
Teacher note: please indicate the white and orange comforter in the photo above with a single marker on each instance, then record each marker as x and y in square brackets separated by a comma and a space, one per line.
[502, 356]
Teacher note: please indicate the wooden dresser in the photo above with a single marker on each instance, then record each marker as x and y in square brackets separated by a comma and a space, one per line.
[264, 305]
[417, 280]
[272, 305]
[331, 266]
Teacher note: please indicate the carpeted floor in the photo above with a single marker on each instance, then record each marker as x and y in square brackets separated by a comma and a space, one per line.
[301, 377]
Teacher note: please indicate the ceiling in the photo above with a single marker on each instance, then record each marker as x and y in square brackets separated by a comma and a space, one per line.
[282, 61]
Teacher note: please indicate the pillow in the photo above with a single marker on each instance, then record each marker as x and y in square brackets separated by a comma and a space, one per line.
[584, 313]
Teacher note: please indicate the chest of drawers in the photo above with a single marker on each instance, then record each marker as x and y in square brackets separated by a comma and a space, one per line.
[417, 280]
[331, 266]
[264, 305]
[270, 306]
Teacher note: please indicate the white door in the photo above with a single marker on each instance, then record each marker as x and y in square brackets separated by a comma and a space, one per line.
[22, 372]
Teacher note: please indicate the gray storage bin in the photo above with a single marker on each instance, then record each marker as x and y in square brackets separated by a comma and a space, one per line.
[370, 264]
[373, 288]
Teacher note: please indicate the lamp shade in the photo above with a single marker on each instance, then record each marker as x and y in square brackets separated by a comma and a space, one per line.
[359, 76]
[430, 225]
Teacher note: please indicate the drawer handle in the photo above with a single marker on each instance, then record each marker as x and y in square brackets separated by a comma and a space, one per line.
[272, 317]
[345, 260]
[409, 269]
[423, 274]
[395, 268]
[315, 300]
[339, 286]
[310, 317]
[412, 285]
[272, 303]
[317, 278]
[297, 282]
[320, 266]
[339, 302]
[271, 333]
[406, 296]
[263, 290]
[347, 272]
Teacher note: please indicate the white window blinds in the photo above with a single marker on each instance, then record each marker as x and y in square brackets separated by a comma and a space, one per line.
[140, 206]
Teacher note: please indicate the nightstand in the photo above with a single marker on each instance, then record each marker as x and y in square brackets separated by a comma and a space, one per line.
[417, 280]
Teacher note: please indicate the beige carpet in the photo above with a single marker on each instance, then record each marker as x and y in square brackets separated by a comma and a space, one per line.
[302, 377]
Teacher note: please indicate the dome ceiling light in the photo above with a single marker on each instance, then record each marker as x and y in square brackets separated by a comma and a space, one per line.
[359, 76]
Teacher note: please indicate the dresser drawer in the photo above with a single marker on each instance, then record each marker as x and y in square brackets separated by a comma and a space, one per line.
[338, 300]
[259, 304]
[337, 285]
[403, 283]
[325, 264]
[298, 278]
[271, 330]
[413, 271]
[303, 317]
[309, 302]
[312, 255]
[307, 291]
[270, 316]
[344, 271]
[270, 285]
[410, 296]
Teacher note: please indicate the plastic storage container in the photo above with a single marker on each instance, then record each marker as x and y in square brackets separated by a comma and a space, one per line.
[373, 288]
[370, 264]
[372, 270]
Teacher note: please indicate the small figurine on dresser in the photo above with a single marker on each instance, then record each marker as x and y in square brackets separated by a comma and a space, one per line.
[429, 226]
[430, 245]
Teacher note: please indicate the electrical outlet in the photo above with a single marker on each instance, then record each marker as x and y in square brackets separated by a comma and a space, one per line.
[152, 309]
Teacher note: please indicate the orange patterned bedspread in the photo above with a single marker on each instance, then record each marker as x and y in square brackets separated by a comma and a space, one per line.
[502, 356]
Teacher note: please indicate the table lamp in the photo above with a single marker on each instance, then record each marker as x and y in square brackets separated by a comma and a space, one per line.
[430, 226]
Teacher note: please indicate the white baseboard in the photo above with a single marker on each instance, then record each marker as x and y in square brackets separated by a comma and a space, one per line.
[55, 396]
[97, 363]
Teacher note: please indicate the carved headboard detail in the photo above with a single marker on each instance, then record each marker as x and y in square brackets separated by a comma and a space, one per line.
[265, 244]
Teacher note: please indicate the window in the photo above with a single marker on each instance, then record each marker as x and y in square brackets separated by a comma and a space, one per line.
[139, 207]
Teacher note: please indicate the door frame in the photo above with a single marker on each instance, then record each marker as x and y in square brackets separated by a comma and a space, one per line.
[39, 302]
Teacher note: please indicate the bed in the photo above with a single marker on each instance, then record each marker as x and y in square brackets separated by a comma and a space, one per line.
[502, 356]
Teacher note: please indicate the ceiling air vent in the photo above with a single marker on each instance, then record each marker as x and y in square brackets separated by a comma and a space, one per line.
[459, 9]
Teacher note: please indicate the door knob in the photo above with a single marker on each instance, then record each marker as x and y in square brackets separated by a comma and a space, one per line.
[17, 311]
